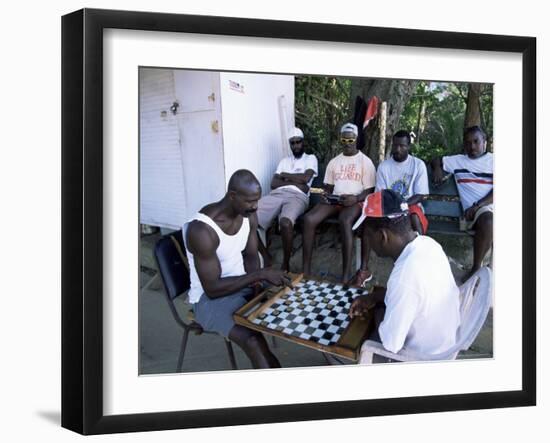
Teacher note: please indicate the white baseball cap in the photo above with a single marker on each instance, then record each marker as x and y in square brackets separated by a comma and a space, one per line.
[295, 132]
[349, 127]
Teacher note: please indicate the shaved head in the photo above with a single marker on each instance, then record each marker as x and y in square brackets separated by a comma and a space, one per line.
[243, 181]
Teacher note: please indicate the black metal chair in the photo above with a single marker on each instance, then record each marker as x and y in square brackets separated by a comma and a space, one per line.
[174, 271]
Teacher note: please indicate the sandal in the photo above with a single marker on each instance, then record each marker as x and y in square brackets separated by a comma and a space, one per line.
[361, 278]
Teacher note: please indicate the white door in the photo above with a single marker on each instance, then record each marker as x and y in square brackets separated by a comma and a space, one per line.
[199, 123]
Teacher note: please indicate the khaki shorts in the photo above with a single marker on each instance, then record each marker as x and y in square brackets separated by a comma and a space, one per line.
[285, 203]
[481, 210]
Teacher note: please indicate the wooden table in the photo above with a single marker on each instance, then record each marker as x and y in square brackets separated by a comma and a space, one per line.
[312, 305]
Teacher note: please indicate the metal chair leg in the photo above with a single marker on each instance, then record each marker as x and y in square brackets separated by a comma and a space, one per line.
[332, 360]
[231, 354]
[182, 350]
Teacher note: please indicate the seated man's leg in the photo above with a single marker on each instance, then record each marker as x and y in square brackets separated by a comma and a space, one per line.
[262, 249]
[216, 315]
[268, 208]
[416, 225]
[363, 274]
[346, 218]
[254, 346]
[295, 205]
[419, 222]
[312, 219]
[483, 238]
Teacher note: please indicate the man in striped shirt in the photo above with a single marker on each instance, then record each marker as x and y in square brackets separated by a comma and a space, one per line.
[473, 173]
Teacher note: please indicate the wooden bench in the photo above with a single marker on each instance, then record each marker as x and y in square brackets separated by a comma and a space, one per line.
[445, 214]
[443, 208]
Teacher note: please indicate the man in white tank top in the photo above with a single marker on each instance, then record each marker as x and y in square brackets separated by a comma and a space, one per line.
[222, 250]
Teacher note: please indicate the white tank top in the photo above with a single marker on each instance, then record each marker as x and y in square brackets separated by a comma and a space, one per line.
[229, 253]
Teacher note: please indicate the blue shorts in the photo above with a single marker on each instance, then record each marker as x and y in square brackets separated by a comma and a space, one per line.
[216, 314]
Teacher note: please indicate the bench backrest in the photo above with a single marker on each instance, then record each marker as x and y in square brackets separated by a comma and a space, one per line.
[442, 207]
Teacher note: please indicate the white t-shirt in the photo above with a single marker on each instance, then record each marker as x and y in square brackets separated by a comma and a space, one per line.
[293, 165]
[422, 301]
[350, 174]
[474, 177]
[406, 178]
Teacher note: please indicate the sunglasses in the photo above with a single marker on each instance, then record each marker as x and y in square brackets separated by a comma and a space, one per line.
[347, 141]
[295, 142]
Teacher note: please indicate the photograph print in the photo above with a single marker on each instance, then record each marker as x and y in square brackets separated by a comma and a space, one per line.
[291, 220]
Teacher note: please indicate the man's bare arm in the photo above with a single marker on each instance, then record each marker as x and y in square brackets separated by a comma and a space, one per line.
[302, 178]
[202, 243]
[277, 181]
[298, 180]
[470, 212]
[250, 255]
[437, 168]
[350, 199]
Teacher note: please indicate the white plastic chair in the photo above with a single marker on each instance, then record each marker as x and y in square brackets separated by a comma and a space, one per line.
[475, 301]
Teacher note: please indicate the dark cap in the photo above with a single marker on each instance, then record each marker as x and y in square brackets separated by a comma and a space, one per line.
[383, 204]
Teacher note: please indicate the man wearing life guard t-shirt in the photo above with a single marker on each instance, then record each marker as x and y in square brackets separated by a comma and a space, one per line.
[289, 196]
[349, 176]
[221, 245]
[473, 173]
[419, 309]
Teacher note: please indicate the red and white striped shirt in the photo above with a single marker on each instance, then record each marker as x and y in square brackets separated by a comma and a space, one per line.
[474, 177]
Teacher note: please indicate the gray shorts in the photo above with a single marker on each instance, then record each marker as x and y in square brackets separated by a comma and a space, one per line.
[286, 203]
[216, 314]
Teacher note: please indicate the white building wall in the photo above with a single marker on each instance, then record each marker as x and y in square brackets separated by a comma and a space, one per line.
[251, 122]
[224, 122]
[162, 197]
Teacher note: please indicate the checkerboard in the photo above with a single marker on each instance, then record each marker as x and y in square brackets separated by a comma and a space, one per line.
[313, 313]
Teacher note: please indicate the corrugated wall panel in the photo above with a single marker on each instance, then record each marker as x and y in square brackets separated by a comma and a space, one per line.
[162, 196]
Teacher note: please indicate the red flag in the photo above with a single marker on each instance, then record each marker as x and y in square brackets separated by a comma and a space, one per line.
[372, 110]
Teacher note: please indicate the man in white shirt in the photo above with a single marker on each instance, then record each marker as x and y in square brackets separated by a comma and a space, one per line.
[473, 172]
[349, 178]
[407, 176]
[289, 196]
[419, 309]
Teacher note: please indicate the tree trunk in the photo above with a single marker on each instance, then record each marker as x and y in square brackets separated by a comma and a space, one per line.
[421, 120]
[396, 93]
[473, 108]
[382, 132]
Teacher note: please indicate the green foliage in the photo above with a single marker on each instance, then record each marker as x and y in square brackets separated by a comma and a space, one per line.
[435, 113]
[322, 105]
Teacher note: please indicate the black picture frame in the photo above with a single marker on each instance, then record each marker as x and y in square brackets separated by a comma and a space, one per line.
[82, 218]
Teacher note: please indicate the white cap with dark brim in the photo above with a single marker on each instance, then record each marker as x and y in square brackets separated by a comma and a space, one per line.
[349, 127]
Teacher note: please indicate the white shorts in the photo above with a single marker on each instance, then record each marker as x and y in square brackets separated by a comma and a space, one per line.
[481, 210]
